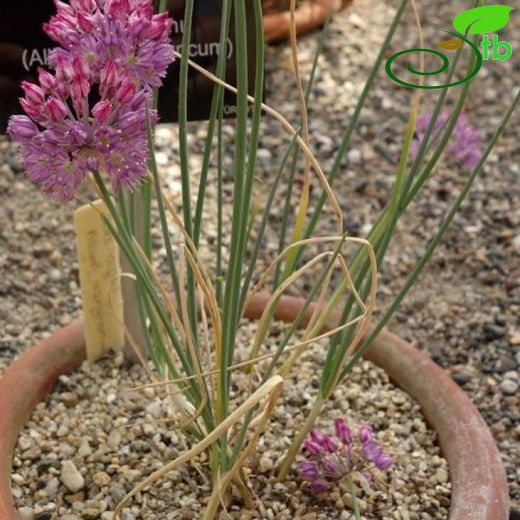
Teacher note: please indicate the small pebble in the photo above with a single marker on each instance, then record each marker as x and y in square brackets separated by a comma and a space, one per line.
[266, 464]
[52, 487]
[509, 387]
[101, 478]
[26, 513]
[71, 477]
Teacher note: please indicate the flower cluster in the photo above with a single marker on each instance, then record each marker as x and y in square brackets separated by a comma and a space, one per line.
[90, 112]
[330, 459]
[465, 141]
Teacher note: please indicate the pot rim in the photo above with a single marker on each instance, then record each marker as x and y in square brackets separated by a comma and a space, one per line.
[478, 480]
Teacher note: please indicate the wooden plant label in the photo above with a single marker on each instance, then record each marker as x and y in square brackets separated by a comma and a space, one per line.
[100, 280]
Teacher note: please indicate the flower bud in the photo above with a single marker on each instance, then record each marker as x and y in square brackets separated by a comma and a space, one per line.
[56, 110]
[33, 111]
[102, 110]
[118, 8]
[81, 67]
[21, 128]
[160, 26]
[108, 75]
[366, 433]
[383, 462]
[308, 470]
[61, 61]
[125, 93]
[80, 89]
[46, 80]
[370, 450]
[343, 432]
[33, 93]
[328, 444]
[85, 22]
[63, 8]
[92, 164]
[313, 448]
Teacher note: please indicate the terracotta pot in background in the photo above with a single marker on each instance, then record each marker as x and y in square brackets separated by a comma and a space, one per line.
[479, 486]
[309, 17]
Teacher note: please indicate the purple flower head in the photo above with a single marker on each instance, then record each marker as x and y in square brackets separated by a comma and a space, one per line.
[327, 464]
[465, 141]
[115, 48]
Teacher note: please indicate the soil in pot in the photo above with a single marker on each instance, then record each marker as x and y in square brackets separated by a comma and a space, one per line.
[96, 423]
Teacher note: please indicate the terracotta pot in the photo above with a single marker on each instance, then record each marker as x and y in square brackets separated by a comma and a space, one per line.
[479, 486]
[309, 17]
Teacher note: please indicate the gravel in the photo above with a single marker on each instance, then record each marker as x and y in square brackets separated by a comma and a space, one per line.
[83, 459]
[464, 309]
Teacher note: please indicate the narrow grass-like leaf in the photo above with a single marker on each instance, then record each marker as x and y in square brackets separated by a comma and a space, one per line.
[436, 239]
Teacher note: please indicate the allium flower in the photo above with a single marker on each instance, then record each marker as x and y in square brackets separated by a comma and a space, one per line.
[113, 53]
[332, 459]
[465, 141]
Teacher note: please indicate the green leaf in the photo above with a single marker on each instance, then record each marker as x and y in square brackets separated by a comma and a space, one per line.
[480, 20]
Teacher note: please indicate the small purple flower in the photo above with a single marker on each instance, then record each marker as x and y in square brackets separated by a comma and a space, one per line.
[23, 129]
[312, 447]
[316, 435]
[373, 453]
[370, 450]
[465, 141]
[383, 462]
[308, 470]
[330, 444]
[332, 459]
[325, 442]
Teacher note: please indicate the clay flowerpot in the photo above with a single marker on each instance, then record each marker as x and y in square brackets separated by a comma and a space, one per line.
[309, 16]
[479, 487]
